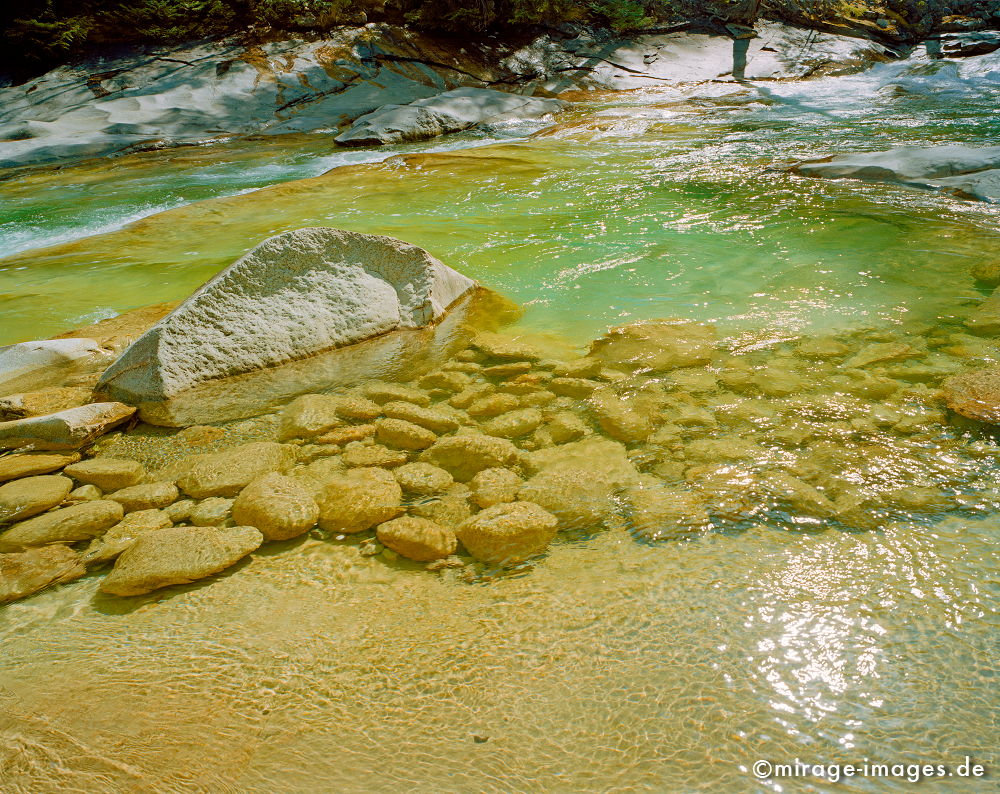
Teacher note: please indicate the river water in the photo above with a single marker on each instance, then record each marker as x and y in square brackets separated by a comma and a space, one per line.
[611, 665]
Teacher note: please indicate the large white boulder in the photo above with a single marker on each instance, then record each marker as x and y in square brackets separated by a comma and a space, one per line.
[295, 295]
[451, 111]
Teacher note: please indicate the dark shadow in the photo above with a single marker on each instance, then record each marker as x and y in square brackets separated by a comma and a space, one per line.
[740, 49]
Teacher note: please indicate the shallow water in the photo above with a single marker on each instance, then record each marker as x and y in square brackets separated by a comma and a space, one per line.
[613, 663]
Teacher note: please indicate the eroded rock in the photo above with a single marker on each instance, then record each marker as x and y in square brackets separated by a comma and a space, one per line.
[280, 507]
[27, 572]
[108, 474]
[69, 429]
[29, 496]
[508, 533]
[465, 456]
[656, 345]
[227, 473]
[67, 525]
[417, 538]
[358, 500]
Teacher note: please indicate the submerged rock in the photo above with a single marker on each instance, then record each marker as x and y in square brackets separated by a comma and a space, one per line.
[660, 512]
[148, 496]
[422, 478]
[294, 295]
[280, 507]
[495, 486]
[404, 435]
[68, 525]
[178, 555]
[123, 534]
[417, 538]
[227, 473]
[508, 533]
[466, 455]
[70, 429]
[656, 345]
[975, 394]
[358, 500]
[27, 572]
[451, 111]
[30, 496]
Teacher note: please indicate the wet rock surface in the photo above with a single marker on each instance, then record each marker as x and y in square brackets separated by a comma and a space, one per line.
[67, 525]
[27, 572]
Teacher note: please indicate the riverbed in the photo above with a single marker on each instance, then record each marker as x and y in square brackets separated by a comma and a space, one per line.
[613, 663]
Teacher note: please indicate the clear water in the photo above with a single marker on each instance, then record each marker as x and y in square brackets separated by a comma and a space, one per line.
[611, 665]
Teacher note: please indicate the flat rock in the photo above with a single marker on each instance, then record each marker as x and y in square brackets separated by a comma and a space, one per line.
[26, 464]
[975, 394]
[417, 539]
[986, 317]
[373, 455]
[508, 533]
[309, 415]
[433, 419]
[27, 572]
[294, 295]
[450, 111]
[215, 511]
[28, 366]
[108, 474]
[396, 392]
[280, 507]
[656, 345]
[67, 525]
[70, 429]
[178, 555]
[29, 496]
[229, 472]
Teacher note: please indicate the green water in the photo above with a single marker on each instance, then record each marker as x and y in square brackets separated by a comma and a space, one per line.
[611, 665]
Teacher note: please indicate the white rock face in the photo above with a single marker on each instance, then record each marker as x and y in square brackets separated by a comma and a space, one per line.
[448, 112]
[190, 94]
[293, 296]
[29, 366]
[967, 171]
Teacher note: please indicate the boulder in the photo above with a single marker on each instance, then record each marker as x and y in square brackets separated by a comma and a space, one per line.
[656, 345]
[123, 534]
[975, 394]
[27, 572]
[422, 478]
[46, 401]
[67, 525]
[451, 111]
[280, 507]
[229, 472]
[417, 538]
[495, 486]
[147, 496]
[26, 464]
[28, 366]
[178, 555]
[358, 500]
[29, 496]
[464, 456]
[508, 533]
[70, 429]
[108, 474]
[294, 295]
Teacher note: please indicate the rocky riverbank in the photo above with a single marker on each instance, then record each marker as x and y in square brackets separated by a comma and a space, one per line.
[200, 93]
